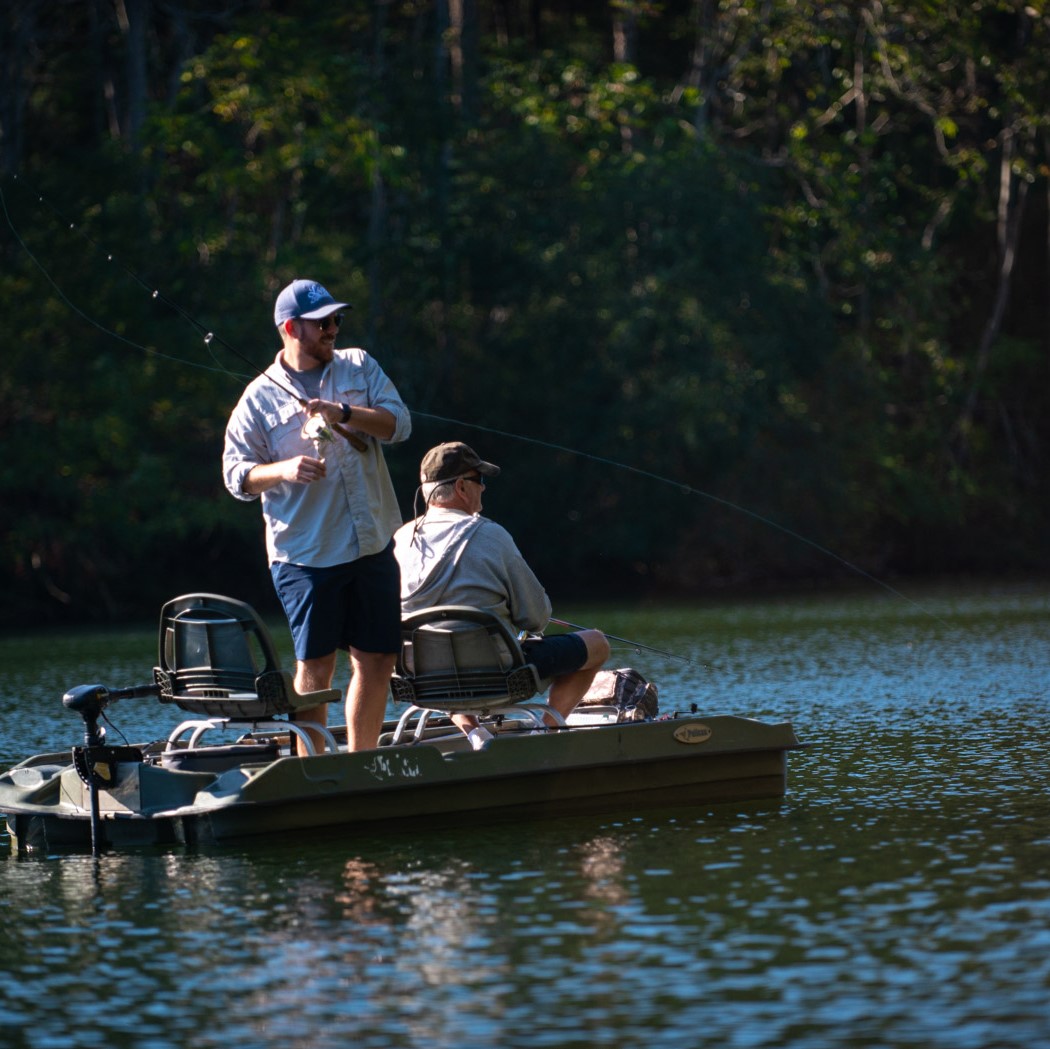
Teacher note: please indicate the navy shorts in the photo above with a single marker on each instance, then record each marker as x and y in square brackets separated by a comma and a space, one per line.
[356, 605]
[556, 655]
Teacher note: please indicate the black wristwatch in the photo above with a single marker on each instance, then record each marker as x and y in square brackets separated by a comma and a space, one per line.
[347, 412]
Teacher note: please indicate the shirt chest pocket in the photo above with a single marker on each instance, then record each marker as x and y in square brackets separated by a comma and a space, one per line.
[284, 427]
[353, 389]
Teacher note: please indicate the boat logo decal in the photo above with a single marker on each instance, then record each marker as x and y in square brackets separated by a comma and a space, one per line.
[400, 766]
[692, 733]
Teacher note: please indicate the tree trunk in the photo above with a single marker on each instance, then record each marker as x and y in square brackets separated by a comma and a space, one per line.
[18, 29]
[1013, 193]
[377, 214]
[625, 35]
[463, 57]
[137, 66]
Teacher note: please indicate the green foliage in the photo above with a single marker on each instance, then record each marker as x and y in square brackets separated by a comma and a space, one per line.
[727, 290]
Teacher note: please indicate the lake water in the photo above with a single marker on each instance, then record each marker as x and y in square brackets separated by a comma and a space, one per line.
[898, 896]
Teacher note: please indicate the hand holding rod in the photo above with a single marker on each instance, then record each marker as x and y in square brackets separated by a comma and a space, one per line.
[339, 428]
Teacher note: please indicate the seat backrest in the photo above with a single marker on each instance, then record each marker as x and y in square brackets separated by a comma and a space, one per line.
[456, 658]
[216, 658]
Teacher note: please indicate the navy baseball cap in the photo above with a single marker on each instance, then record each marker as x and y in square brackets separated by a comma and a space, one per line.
[306, 299]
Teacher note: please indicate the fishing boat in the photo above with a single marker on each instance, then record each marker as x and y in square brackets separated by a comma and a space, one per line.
[218, 666]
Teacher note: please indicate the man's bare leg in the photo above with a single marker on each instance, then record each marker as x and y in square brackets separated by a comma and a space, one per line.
[567, 690]
[313, 675]
[366, 697]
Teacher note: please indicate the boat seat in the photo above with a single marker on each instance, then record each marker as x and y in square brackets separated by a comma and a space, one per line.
[456, 659]
[217, 661]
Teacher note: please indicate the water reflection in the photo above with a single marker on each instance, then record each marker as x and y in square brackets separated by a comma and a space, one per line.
[898, 896]
[451, 939]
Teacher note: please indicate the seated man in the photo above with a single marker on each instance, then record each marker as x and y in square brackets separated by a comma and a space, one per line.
[451, 555]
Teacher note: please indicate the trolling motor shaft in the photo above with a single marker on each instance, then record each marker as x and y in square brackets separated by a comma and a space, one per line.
[95, 762]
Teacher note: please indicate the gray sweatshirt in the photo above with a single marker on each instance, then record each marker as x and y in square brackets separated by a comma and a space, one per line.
[450, 557]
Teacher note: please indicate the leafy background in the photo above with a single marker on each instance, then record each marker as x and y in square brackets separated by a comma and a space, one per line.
[739, 294]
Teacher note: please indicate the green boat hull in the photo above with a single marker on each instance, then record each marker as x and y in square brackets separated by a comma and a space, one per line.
[676, 760]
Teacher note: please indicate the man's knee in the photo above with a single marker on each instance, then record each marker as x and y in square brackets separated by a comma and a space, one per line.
[597, 648]
[313, 675]
[373, 664]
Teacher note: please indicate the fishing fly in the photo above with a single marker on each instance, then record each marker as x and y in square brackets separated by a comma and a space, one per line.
[154, 293]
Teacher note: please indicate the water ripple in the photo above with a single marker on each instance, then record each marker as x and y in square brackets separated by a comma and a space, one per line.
[897, 897]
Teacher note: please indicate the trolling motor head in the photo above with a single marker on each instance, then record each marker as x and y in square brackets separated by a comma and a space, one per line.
[89, 701]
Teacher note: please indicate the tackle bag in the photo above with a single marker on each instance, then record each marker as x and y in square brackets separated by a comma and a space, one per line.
[633, 698]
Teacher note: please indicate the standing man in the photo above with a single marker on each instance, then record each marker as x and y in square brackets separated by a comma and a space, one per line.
[451, 555]
[327, 501]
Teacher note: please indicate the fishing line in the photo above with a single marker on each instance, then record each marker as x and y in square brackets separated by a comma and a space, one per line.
[154, 294]
[690, 490]
[637, 645]
[210, 337]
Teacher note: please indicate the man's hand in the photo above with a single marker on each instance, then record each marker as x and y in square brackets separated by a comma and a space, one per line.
[300, 469]
[331, 411]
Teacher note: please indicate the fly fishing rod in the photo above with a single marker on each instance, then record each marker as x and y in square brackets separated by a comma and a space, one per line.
[686, 489]
[637, 645]
[354, 440]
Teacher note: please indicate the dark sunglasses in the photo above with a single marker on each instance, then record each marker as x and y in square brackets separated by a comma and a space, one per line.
[324, 322]
[477, 480]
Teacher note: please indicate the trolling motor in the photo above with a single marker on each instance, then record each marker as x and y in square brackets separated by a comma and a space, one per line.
[96, 762]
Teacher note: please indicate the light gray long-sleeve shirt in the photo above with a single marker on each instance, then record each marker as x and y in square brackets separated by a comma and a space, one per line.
[450, 557]
[352, 511]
